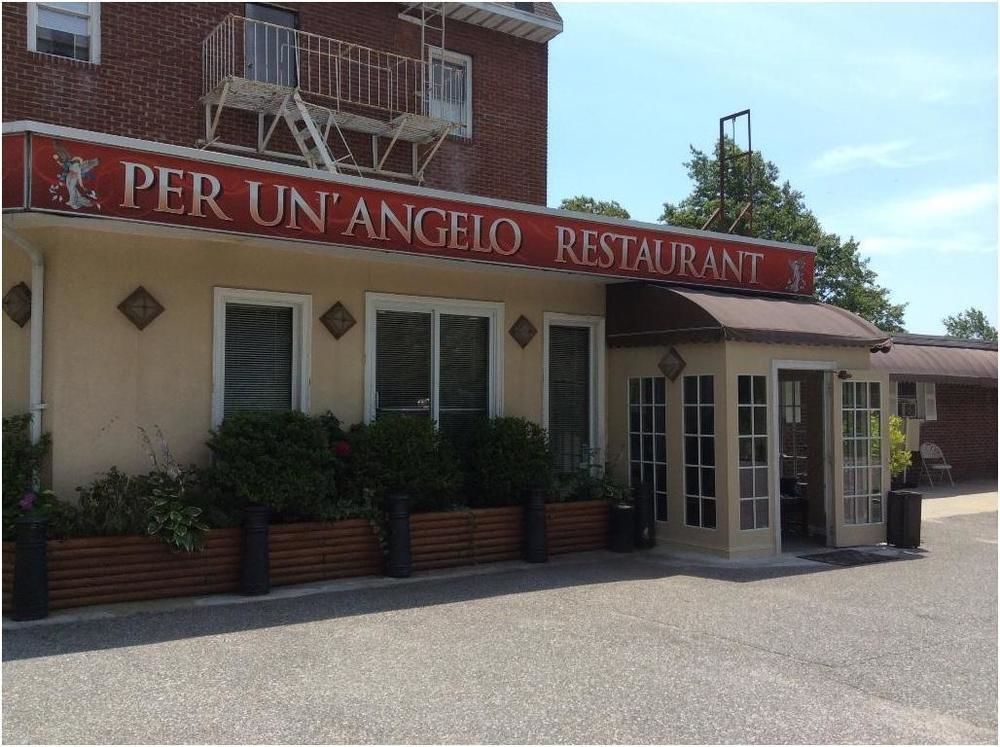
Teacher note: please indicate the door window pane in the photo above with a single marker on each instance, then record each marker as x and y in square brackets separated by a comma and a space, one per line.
[464, 374]
[648, 440]
[699, 451]
[862, 466]
[752, 449]
[403, 363]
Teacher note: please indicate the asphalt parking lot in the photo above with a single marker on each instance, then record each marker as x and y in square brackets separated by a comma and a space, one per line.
[599, 649]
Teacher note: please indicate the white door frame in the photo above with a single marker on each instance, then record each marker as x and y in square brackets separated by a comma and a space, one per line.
[774, 463]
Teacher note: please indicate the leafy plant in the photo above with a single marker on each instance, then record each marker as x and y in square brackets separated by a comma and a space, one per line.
[277, 459]
[899, 456]
[63, 518]
[113, 504]
[593, 482]
[407, 455]
[22, 459]
[506, 457]
[170, 515]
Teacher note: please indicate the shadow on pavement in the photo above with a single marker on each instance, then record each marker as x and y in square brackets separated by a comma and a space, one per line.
[151, 627]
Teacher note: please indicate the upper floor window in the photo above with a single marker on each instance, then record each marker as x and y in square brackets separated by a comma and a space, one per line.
[270, 44]
[450, 95]
[70, 30]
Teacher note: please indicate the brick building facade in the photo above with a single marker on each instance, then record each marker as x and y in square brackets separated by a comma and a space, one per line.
[148, 83]
[965, 429]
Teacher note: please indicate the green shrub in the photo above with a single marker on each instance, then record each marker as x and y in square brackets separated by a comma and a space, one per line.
[407, 455]
[506, 457]
[276, 459]
[22, 460]
[899, 456]
[593, 481]
[113, 504]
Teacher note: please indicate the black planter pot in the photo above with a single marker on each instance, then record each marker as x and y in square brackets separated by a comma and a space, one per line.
[621, 528]
[398, 564]
[645, 520]
[255, 570]
[31, 570]
[535, 546]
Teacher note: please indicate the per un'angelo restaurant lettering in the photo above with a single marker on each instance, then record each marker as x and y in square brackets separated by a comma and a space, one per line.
[182, 285]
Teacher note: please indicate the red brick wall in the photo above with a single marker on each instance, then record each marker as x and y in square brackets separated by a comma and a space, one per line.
[148, 83]
[966, 429]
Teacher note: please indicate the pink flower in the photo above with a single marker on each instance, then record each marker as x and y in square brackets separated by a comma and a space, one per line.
[342, 449]
[27, 501]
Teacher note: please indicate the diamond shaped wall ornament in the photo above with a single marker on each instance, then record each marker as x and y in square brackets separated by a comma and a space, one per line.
[140, 307]
[338, 320]
[523, 331]
[17, 304]
[671, 364]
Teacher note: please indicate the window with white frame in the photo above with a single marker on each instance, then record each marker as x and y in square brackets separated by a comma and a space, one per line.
[862, 442]
[699, 451]
[916, 399]
[450, 94]
[434, 358]
[647, 430]
[70, 30]
[261, 352]
[752, 422]
[793, 437]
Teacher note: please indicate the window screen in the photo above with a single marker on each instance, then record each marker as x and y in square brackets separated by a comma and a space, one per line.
[259, 354]
[456, 391]
[569, 396]
[64, 29]
[699, 451]
[647, 432]
[403, 363]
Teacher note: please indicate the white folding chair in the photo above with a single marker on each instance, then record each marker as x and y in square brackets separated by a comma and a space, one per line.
[932, 458]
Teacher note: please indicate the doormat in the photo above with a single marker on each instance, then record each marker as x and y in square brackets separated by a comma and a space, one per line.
[848, 558]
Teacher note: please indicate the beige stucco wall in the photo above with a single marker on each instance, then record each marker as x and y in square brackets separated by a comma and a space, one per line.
[16, 269]
[708, 358]
[104, 378]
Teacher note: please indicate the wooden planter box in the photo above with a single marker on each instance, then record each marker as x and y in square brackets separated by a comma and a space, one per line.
[576, 527]
[102, 570]
[451, 538]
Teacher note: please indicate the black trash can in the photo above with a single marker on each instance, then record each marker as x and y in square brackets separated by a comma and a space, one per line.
[902, 525]
[621, 528]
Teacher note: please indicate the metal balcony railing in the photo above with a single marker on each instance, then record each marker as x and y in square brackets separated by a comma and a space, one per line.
[338, 73]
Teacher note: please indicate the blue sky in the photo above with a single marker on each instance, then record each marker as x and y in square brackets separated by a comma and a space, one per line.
[884, 116]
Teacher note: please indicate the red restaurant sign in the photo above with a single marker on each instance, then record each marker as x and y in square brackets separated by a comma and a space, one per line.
[88, 178]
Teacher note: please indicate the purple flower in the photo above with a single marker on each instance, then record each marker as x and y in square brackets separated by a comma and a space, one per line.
[27, 501]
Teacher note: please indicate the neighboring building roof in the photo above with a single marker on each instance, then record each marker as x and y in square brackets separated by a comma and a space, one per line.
[538, 22]
[647, 314]
[941, 359]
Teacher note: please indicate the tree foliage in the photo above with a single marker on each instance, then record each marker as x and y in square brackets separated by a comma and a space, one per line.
[585, 204]
[970, 324]
[843, 276]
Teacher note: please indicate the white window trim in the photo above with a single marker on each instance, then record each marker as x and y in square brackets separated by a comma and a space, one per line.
[492, 310]
[465, 60]
[301, 305]
[598, 416]
[93, 31]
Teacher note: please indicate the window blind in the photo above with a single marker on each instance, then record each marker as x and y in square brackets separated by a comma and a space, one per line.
[403, 362]
[464, 374]
[259, 350]
[569, 396]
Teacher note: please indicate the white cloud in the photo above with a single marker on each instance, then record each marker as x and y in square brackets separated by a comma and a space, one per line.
[894, 154]
[943, 206]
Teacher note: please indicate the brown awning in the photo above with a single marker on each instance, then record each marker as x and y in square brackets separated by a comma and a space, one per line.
[940, 359]
[647, 314]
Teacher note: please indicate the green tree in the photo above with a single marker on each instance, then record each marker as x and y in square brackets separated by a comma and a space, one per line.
[584, 204]
[843, 276]
[971, 324]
